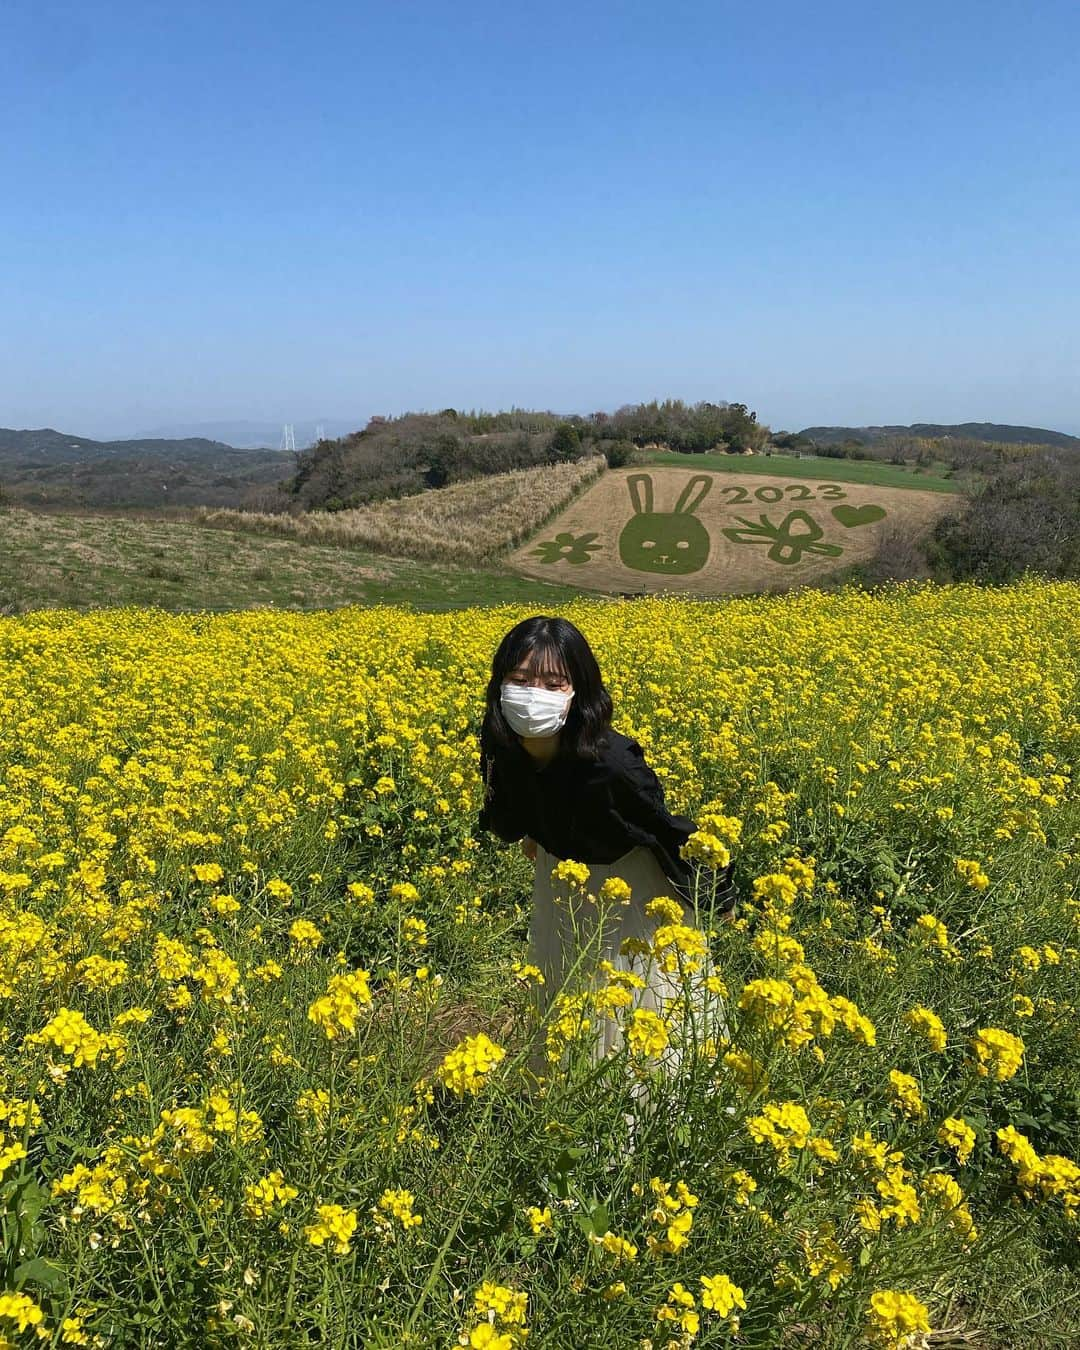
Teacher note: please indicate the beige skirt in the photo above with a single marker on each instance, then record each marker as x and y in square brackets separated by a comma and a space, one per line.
[568, 940]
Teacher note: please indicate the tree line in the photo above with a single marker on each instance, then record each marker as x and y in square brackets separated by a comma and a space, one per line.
[396, 456]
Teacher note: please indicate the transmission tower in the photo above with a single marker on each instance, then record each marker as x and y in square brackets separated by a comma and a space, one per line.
[288, 440]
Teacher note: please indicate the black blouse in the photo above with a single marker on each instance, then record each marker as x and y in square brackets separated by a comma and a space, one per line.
[591, 811]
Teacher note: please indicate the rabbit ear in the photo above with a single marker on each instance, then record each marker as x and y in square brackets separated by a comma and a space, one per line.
[640, 485]
[692, 494]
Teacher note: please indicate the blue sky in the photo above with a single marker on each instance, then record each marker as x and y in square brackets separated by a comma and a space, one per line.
[838, 212]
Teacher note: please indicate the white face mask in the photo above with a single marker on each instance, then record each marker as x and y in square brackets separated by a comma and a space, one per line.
[534, 712]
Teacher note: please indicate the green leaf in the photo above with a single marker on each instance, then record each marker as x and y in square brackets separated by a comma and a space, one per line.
[57, 1138]
[32, 1200]
[567, 1158]
[40, 1270]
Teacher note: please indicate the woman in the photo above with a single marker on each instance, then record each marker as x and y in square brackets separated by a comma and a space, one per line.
[559, 778]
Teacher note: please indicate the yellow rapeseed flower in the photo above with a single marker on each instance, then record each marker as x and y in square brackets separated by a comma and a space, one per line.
[332, 1224]
[720, 1294]
[466, 1068]
[894, 1319]
[927, 1023]
[998, 1053]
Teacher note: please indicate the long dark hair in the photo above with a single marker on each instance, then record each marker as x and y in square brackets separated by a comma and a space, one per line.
[540, 643]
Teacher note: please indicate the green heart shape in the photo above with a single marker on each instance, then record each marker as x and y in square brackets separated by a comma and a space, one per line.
[858, 515]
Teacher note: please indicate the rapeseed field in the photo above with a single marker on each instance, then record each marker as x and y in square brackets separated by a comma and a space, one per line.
[266, 1003]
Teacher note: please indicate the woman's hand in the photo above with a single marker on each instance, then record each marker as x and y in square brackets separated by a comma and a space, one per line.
[528, 847]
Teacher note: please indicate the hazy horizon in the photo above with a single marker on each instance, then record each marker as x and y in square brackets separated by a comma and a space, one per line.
[242, 432]
[837, 216]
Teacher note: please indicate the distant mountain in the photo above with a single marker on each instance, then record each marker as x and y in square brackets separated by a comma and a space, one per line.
[977, 431]
[46, 446]
[259, 435]
[55, 468]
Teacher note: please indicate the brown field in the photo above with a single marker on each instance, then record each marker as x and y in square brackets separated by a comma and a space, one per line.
[673, 529]
[467, 522]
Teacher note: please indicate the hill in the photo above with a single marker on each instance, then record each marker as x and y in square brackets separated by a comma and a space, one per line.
[995, 432]
[396, 456]
[499, 539]
[464, 522]
[45, 467]
[673, 527]
[89, 561]
[46, 446]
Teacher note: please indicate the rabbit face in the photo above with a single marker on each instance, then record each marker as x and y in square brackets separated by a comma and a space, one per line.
[664, 542]
[671, 543]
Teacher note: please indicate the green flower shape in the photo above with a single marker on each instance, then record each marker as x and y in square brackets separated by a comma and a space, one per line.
[567, 547]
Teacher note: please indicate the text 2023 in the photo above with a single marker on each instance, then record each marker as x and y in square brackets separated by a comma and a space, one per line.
[795, 492]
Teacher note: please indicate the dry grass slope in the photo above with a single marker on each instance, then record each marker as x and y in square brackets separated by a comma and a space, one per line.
[89, 561]
[465, 522]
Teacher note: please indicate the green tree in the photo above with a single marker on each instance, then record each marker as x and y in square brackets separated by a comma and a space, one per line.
[619, 453]
[741, 429]
[565, 443]
[442, 459]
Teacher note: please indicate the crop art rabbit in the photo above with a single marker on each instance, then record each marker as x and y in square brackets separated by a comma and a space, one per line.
[670, 542]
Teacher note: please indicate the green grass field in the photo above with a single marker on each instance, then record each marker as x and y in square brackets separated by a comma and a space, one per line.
[827, 470]
[82, 562]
